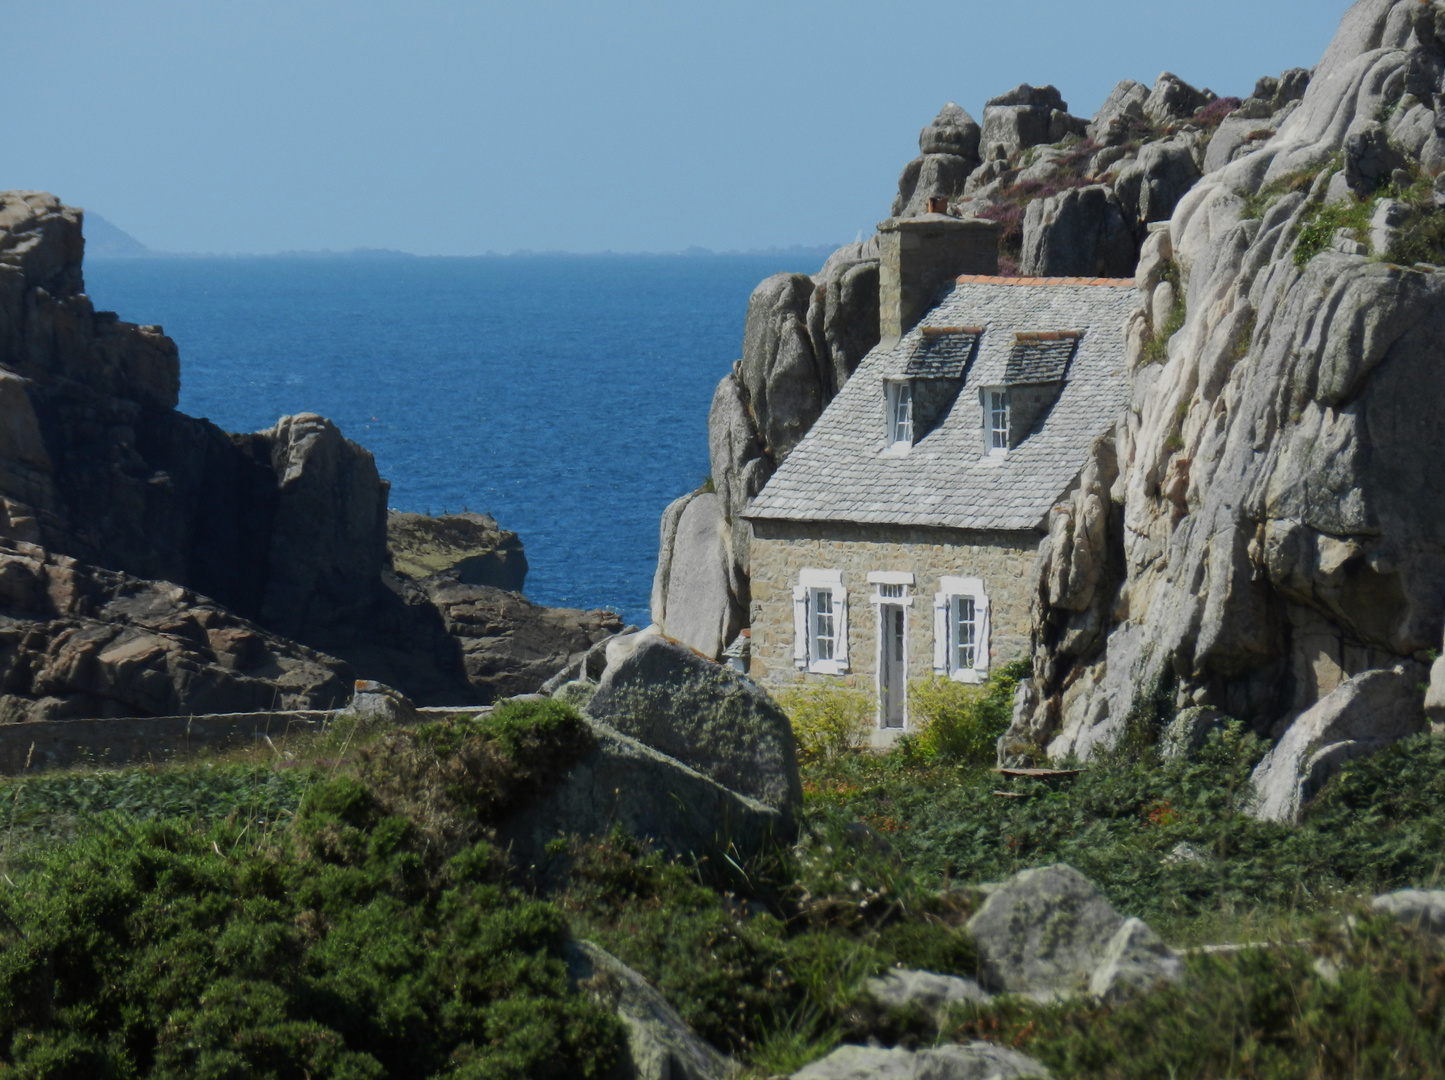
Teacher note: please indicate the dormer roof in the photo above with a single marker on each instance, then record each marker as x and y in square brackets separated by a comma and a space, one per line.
[1028, 330]
[942, 352]
[1040, 357]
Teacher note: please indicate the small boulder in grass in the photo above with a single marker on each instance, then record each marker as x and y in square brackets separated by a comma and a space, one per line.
[966, 1061]
[375, 703]
[1048, 933]
[932, 993]
[1419, 909]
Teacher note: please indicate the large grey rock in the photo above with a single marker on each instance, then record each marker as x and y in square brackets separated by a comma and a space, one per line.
[902, 989]
[843, 316]
[1435, 693]
[624, 784]
[1121, 114]
[1273, 517]
[1170, 168]
[948, 149]
[703, 714]
[698, 609]
[969, 1061]
[470, 546]
[1370, 159]
[1078, 233]
[952, 131]
[1360, 716]
[1419, 909]
[660, 1043]
[779, 370]
[1276, 93]
[77, 641]
[1050, 933]
[1174, 99]
[1236, 136]
[928, 177]
[1026, 116]
[1135, 961]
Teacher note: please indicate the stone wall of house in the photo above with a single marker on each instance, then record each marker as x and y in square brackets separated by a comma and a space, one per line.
[1004, 560]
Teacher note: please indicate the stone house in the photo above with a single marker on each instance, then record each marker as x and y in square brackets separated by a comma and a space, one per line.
[898, 540]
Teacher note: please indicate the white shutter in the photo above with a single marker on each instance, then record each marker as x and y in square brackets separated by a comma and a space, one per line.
[942, 609]
[980, 654]
[800, 626]
[840, 628]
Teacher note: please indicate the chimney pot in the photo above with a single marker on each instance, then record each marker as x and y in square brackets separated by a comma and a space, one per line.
[937, 204]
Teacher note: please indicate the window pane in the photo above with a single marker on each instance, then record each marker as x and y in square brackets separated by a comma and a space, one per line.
[998, 420]
[965, 633]
[903, 413]
[823, 624]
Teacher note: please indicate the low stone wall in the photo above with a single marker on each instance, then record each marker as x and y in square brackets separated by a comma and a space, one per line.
[59, 744]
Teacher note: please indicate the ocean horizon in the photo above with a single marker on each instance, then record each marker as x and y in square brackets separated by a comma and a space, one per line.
[565, 395]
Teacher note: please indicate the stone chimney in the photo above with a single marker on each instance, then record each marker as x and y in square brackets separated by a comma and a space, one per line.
[920, 256]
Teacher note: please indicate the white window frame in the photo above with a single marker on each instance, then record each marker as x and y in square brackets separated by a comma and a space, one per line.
[813, 583]
[889, 580]
[946, 629]
[996, 406]
[899, 417]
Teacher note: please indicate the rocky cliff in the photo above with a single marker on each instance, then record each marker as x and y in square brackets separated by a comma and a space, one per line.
[1075, 196]
[285, 528]
[1265, 526]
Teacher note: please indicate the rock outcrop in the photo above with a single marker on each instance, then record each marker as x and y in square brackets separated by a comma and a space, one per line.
[1026, 116]
[966, 1061]
[802, 339]
[1275, 530]
[660, 1043]
[1419, 909]
[470, 545]
[1356, 718]
[949, 152]
[707, 716]
[625, 784]
[286, 528]
[1049, 933]
[79, 641]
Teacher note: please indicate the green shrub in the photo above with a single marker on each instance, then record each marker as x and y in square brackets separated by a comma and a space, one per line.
[828, 720]
[962, 723]
[1363, 999]
[1156, 345]
[458, 776]
[167, 949]
[1322, 220]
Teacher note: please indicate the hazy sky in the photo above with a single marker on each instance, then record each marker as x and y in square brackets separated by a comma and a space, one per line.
[451, 127]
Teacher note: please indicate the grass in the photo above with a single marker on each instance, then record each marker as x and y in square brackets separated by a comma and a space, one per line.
[1156, 345]
[1364, 999]
[343, 914]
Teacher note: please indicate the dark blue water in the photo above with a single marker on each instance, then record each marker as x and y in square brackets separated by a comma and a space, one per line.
[565, 395]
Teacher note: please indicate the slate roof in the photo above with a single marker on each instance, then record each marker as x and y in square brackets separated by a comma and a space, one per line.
[1040, 357]
[839, 473]
[942, 352]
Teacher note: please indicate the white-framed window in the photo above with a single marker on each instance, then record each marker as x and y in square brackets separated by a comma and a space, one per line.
[998, 421]
[820, 622]
[961, 629]
[899, 399]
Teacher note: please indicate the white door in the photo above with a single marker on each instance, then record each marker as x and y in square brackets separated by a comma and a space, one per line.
[892, 675]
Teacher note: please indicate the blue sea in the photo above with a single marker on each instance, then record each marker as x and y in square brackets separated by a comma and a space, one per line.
[567, 396]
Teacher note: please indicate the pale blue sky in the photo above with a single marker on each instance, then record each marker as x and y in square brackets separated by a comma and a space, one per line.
[449, 127]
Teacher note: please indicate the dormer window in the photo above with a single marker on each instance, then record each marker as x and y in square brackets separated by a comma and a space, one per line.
[900, 415]
[998, 422]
